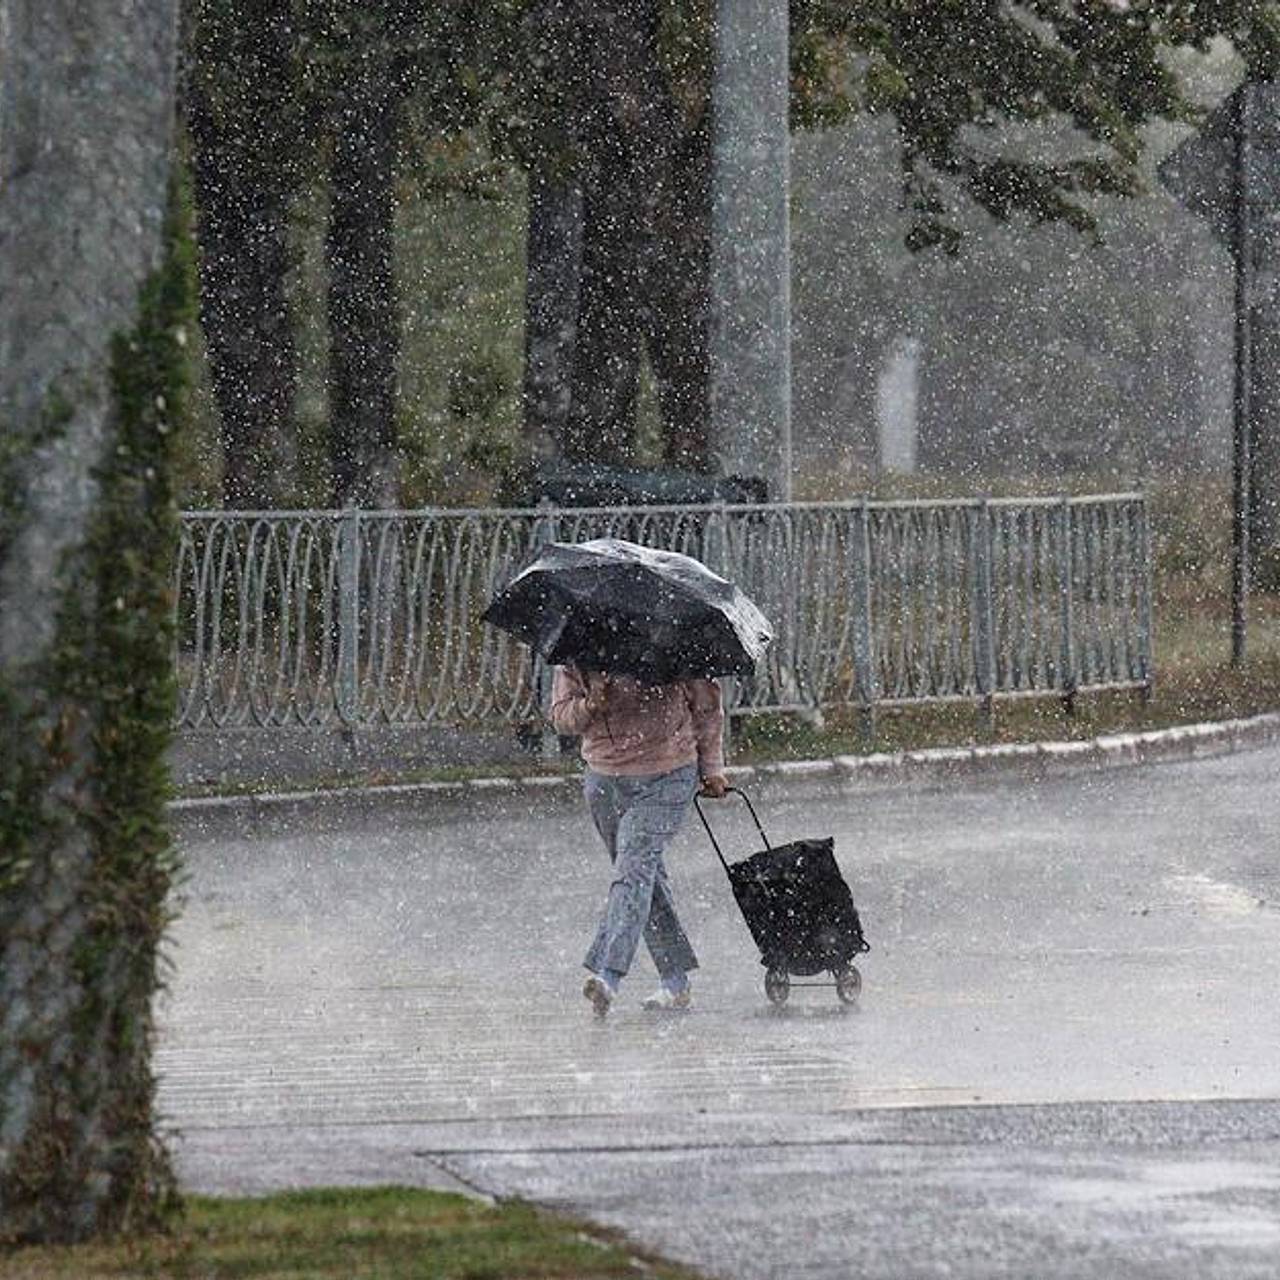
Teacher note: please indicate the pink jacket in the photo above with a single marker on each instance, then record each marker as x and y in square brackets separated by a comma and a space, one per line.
[644, 728]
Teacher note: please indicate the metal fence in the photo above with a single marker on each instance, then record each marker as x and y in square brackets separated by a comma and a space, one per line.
[357, 618]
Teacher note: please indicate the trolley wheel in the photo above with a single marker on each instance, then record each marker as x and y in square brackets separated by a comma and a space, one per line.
[777, 985]
[849, 984]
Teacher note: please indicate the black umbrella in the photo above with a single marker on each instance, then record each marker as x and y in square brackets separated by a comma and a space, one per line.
[615, 606]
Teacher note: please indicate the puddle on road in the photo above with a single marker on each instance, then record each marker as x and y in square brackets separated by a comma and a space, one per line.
[1196, 1194]
[1218, 898]
[1238, 1229]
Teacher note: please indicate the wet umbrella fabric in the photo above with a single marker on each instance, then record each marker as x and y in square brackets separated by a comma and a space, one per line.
[616, 606]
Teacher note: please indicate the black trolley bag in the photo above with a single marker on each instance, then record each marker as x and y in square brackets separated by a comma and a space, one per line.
[799, 910]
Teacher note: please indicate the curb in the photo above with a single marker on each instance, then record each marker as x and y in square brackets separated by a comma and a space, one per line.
[931, 766]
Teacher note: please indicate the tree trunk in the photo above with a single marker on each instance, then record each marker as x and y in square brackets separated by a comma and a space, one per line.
[645, 260]
[237, 95]
[680, 288]
[553, 265]
[364, 340]
[606, 358]
[612, 58]
[86, 105]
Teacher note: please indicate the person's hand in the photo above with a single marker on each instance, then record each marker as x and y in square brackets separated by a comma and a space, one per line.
[714, 786]
[597, 692]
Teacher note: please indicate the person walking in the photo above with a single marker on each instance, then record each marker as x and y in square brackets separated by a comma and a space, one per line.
[648, 749]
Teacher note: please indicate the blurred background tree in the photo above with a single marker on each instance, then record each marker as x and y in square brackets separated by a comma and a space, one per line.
[497, 243]
[243, 111]
[319, 106]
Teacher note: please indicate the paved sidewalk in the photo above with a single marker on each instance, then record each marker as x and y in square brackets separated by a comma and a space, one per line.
[386, 989]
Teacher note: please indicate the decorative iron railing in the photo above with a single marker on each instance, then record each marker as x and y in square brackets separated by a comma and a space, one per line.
[358, 618]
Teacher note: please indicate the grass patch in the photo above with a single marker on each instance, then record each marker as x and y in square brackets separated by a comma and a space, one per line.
[392, 1233]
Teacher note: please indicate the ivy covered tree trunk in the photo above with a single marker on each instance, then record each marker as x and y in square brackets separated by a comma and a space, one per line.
[91, 337]
[240, 105]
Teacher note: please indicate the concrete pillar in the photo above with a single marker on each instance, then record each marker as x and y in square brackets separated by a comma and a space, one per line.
[751, 244]
[897, 401]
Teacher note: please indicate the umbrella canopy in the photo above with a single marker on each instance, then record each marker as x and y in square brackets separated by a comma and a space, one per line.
[615, 606]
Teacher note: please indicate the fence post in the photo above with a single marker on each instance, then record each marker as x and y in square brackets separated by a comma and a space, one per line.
[1067, 657]
[545, 530]
[864, 659]
[715, 542]
[1146, 667]
[984, 645]
[348, 667]
[715, 555]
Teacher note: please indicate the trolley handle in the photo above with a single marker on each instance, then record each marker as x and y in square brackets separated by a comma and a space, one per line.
[715, 844]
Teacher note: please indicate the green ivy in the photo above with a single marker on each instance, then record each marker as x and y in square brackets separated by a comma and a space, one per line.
[98, 761]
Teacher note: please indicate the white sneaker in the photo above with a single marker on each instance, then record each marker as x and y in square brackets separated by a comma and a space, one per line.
[599, 992]
[664, 999]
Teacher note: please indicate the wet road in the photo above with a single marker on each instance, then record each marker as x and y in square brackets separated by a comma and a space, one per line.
[1064, 1060]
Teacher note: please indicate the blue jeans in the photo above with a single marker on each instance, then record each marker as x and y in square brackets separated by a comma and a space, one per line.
[637, 817]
